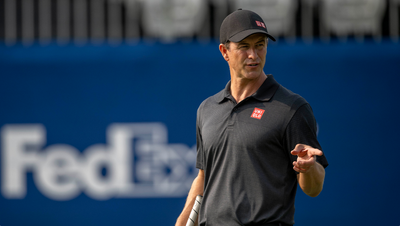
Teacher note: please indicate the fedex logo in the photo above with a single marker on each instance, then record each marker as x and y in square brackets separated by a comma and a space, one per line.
[137, 157]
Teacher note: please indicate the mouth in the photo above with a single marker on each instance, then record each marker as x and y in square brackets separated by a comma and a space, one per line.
[252, 64]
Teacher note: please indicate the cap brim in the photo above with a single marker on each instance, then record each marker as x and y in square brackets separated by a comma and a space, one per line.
[244, 34]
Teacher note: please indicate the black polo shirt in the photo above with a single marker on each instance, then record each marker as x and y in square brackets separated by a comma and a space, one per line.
[244, 150]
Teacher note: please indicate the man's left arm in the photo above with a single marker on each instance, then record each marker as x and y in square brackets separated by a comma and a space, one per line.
[311, 174]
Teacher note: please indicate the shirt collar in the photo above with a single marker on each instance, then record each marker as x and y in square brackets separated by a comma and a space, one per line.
[264, 93]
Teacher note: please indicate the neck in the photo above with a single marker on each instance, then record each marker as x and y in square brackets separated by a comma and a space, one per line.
[242, 88]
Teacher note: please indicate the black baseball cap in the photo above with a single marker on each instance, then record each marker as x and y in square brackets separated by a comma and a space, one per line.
[241, 24]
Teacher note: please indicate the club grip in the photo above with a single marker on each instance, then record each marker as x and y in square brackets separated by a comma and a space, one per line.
[195, 211]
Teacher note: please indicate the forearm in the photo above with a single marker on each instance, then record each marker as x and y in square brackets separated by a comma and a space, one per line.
[196, 189]
[312, 181]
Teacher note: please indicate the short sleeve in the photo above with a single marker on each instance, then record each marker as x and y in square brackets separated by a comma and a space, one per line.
[199, 144]
[302, 129]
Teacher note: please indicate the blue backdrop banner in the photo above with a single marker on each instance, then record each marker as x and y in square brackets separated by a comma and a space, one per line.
[103, 135]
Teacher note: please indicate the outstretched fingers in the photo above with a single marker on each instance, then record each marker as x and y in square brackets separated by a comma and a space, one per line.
[303, 149]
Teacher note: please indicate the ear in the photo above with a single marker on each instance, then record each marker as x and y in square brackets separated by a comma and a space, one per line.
[224, 51]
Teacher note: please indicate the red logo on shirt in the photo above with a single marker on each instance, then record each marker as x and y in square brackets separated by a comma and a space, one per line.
[257, 113]
[260, 24]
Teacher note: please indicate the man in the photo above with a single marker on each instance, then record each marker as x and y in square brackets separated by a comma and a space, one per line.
[255, 139]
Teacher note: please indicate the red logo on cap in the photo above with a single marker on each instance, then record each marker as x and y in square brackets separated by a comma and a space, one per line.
[260, 24]
[257, 113]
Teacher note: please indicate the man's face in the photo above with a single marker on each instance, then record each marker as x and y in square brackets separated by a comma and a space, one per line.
[246, 58]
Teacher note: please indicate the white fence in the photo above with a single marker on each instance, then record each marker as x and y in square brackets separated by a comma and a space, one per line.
[116, 21]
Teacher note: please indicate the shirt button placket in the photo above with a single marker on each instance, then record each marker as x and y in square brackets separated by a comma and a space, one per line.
[233, 117]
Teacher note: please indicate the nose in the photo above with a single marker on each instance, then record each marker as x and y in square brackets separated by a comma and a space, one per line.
[252, 53]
